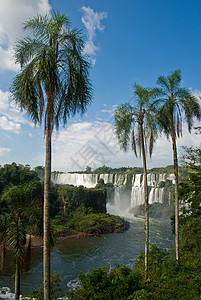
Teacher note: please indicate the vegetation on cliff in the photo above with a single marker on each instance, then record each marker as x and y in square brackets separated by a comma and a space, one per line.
[72, 209]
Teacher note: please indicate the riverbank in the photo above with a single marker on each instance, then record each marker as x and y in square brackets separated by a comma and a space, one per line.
[72, 255]
[62, 235]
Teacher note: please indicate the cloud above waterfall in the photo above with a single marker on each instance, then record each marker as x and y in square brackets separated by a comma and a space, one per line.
[94, 144]
[12, 16]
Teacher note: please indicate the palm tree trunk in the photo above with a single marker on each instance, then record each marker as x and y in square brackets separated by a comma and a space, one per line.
[174, 147]
[28, 254]
[3, 256]
[46, 215]
[17, 280]
[146, 205]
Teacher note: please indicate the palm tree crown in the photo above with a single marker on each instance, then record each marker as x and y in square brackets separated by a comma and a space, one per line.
[53, 82]
[174, 103]
[129, 120]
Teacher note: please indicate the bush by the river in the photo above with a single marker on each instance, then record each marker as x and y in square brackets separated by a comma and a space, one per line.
[85, 220]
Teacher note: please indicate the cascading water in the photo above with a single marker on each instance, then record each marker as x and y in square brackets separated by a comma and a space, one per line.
[76, 179]
[128, 192]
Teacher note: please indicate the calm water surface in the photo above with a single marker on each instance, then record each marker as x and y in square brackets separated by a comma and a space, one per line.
[74, 255]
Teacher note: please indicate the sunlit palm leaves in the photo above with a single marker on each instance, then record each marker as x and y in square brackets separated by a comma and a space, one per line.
[54, 74]
[128, 121]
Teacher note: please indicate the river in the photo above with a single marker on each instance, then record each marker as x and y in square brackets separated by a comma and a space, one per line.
[71, 256]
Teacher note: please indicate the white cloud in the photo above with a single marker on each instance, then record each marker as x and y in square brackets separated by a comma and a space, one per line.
[106, 111]
[10, 109]
[4, 151]
[84, 143]
[12, 16]
[196, 93]
[11, 117]
[95, 144]
[92, 22]
[7, 125]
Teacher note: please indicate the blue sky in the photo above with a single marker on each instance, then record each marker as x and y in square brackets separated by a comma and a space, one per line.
[128, 41]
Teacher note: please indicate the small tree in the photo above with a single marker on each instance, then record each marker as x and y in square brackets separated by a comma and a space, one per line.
[21, 214]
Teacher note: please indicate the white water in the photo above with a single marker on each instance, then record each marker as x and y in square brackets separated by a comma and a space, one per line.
[124, 200]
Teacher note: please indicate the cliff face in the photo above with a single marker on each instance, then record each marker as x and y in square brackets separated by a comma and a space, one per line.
[73, 197]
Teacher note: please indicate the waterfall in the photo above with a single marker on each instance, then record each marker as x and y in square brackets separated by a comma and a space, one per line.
[128, 191]
[108, 178]
[156, 195]
[76, 179]
[137, 192]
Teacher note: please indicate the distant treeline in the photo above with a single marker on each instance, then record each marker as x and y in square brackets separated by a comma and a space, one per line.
[129, 170]
[16, 173]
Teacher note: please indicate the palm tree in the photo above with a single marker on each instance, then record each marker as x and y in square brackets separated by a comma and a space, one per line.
[53, 84]
[21, 213]
[139, 119]
[173, 103]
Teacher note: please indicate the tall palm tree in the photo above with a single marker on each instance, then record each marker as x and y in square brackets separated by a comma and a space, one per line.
[138, 122]
[21, 213]
[175, 103]
[53, 84]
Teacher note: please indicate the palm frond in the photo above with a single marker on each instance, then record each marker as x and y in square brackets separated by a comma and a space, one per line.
[163, 82]
[16, 238]
[123, 122]
[133, 143]
[177, 101]
[174, 80]
[55, 75]
[39, 26]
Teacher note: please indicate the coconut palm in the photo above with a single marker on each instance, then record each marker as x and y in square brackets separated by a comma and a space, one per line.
[138, 122]
[21, 214]
[175, 103]
[53, 85]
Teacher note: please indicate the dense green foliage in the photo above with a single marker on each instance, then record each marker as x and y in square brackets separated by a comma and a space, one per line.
[72, 209]
[72, 197]
[167, 280]
[15, 174]
[86, 221]
[84, 210]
